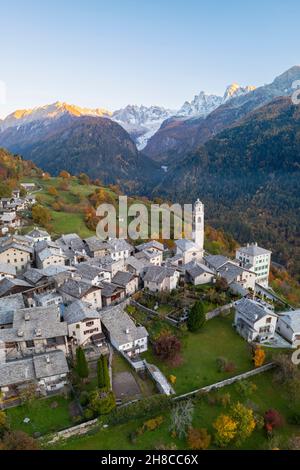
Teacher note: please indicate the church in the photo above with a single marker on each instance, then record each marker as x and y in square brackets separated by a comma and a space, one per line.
[193, 250]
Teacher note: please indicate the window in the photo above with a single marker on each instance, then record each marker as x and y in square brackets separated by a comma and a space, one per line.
[89, 323]
[29, 344]
[269, 320]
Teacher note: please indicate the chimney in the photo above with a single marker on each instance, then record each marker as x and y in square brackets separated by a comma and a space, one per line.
[48, 359]
[20, 333]
[38, 332]
[27, 316]
[127, 331]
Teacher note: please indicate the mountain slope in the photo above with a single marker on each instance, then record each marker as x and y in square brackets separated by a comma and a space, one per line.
[248, 177]
[93, 145]
[168, 144]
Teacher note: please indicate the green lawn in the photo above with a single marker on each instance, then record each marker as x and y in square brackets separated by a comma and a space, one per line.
[267, 395]
[43, 417]
[200, 352]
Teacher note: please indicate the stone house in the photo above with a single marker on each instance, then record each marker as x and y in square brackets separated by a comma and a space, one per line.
[74, 289]
[288, 326]
[254, 321]
[83, 322]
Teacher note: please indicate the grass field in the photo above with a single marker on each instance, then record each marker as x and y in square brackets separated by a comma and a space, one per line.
[200, 352]
[267, 395]
[44, 418]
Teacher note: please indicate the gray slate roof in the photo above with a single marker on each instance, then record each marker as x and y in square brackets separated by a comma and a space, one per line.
[37, 367]
[157, 274]
[109, 289]
[118, 322]
[253, 310]
[151, 244]
[185, 245]
[292, 319]
[7, 284]
[137, 264]
[254, 250]
[216, 261]
[79, 311]
[8, 306]
[76, 289]
[7, 269]
[122, 278]
[30, 321]
[195, 269]
[231, 271]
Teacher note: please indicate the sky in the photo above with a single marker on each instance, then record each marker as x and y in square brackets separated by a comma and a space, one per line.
[108, 54]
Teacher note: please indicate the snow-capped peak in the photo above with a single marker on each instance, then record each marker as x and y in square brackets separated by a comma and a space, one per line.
[234, 90]
[201, 105]
[47, 112]
[141, 122]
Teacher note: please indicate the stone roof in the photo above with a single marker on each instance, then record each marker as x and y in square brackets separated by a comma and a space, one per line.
[119, 244]
[195, 269]
[253, 310]
[48, 253]
[216, 261]
[292, 319]
[77, 289]
[158, 274]
[95, 244]
[16, 372]
[120, 326]
[186, 245]
[122, 278]
[7, 284]
[137, 264]
[7, 269]
[37, 233]
[37, 367]
[16, 246]
[108, 289]
[35, 323]
[79, 311]
[48, 365]
[33, 275]
[8, 306]
[88, 271]
[253, 250]
[231, 271]
[151, 244]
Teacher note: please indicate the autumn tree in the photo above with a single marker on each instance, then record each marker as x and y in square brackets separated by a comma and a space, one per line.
[273, 419]
[53, 191]
[65, 175]
[41, 215]
[102, 402]
[259, 356]
[18, 440]
[245, 420]
[226, 429]
[198, 439]
[167, 346]
[221, 284]
[3, 422]
[196, 318]
[83, 179]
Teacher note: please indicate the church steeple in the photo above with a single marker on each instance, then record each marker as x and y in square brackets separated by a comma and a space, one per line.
[198, 224]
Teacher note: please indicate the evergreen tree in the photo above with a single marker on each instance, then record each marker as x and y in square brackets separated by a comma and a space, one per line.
[103, 373]
[196, 317]
[81, 363]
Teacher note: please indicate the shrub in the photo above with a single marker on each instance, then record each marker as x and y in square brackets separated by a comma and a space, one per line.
[226, 429]
[259, 356]
[198, 439]
[88, 414]
[181, 418]
[273, 420]
[146, 408]
[102, 402]
[167, 346]
[18, 440]
[244, 418]
[84, 398]
[153, 423]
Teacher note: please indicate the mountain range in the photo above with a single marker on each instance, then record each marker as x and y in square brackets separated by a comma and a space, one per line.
[239, 153]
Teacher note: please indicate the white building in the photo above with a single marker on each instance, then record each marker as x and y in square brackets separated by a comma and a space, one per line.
[83, 322]
[288, 326]
[256, 259]
[254, 321]
[193, 250]
[124, 335]
[160, 278]
[38, 235]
